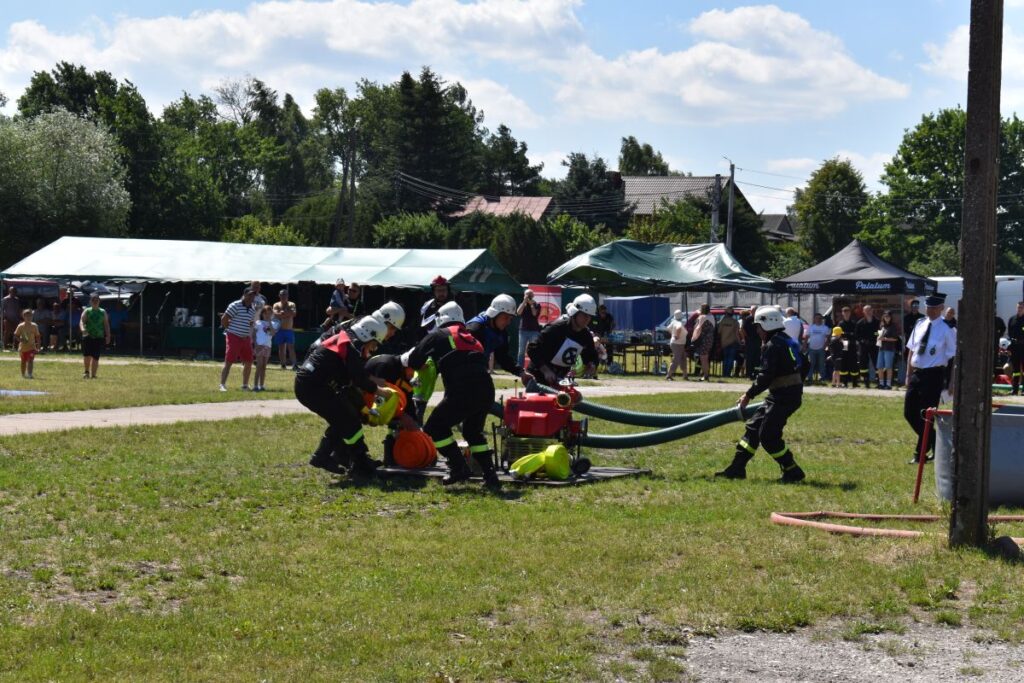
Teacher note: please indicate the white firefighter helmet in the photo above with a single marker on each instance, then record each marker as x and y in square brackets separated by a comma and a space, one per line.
[390, 313]
[769, 318]
[502, 303]
[451, 312]
[678, 315]
[584, 303]
[1004, 344]
[369, 329]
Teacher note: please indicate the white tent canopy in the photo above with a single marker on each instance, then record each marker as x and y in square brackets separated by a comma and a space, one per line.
[138, 260]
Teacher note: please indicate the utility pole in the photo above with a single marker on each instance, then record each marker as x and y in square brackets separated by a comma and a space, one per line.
[732, 194]
[972, 417]
[716, 199]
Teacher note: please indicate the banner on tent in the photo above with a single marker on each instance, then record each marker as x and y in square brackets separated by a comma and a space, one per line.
[549, 297]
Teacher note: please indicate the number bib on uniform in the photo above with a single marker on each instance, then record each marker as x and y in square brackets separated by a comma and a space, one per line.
[567, 354]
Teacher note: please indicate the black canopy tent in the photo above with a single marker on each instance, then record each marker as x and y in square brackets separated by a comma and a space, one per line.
[855, 269]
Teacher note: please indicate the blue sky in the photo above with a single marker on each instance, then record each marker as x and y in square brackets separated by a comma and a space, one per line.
[775, 87]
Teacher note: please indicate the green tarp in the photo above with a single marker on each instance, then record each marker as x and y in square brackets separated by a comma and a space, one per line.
[135, 260]
[626, 268]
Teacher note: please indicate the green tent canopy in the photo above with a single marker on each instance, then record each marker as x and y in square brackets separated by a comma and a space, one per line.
[626, 267]
[137, 260]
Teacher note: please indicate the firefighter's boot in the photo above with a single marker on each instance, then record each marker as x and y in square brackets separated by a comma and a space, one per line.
[737, 469]
[458, 468]
[323, 457]
[362, 464]
[486, 462]
[791, 472]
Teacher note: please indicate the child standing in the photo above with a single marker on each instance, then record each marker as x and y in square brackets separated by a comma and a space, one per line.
[836, 349]
[264, 331]
[28, 337]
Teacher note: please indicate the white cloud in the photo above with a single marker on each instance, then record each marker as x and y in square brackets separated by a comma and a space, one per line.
[950, 60]
[750, 64]
[800, 164]
[289, 36]
[499, 104]
[871, 166]
[552, 161]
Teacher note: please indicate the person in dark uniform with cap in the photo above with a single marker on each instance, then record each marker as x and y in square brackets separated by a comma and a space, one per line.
[932, 344]
[1015, 333]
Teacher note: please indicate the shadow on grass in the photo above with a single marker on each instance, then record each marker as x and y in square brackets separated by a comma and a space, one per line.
[844, 486]
[414, 483]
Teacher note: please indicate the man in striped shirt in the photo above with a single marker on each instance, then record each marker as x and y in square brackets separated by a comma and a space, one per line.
[237, 322]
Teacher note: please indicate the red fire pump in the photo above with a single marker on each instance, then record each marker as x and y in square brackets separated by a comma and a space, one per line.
[532, 422]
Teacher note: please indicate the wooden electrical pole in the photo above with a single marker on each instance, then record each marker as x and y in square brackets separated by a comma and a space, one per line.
[972, 417]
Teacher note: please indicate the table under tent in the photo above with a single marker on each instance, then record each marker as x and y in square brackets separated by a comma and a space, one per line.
[191, 282]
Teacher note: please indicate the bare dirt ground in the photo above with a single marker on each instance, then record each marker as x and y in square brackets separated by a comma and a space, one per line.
[923, 652]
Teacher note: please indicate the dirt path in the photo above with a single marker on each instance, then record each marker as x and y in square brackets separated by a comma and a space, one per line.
[167, 414]
[922, 653]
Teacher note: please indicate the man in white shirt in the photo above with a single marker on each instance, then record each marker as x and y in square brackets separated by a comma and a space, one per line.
[932, 344]
[793, 325]
[817, 337]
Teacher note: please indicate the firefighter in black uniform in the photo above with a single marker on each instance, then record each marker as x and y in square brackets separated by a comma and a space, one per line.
[553, 354]
[331, 383]
[850, 371]
[781, 373]
[1015, 333]
[391, 314]
[491, 329]
[468, 394]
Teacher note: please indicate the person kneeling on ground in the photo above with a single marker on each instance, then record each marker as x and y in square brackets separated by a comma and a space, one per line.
[781, 374]
[553, 354]
[331, 383]
[468, 394]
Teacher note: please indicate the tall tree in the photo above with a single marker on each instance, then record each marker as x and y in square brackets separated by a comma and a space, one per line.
[59, 175]
[924, 180]
[70, 87]
[829, 207]
[437, 137]
[589, 194]
[640, 159]
[336, 121]
[506, 168]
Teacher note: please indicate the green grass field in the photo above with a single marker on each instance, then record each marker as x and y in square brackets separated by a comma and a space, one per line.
[212, 552]
[137, 384]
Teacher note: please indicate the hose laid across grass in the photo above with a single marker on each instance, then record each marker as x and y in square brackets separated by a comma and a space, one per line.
[679, 431]
[630, 417]
[806, 519]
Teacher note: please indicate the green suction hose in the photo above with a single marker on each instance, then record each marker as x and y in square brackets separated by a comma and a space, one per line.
[630, 417]
[679, 431]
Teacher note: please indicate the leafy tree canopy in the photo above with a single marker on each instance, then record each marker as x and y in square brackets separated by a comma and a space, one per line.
[640, 159]
[829, 208]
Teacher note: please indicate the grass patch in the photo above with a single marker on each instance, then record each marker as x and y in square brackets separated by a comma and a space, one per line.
[211, 551]
[126, 383]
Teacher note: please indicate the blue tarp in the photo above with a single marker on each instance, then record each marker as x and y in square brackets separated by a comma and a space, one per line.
[637, 312]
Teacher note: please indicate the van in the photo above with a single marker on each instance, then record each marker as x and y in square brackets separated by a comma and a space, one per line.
[1009, 290]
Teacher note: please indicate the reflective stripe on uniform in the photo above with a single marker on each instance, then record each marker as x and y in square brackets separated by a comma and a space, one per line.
[746, 446]
[355, 437]
[479, 448]
[779, 454]
[444, 442]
